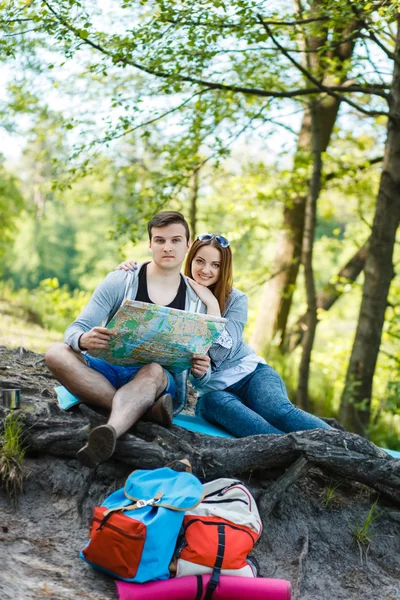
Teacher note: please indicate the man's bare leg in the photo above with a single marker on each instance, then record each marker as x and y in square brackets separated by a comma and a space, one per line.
[88, 385]
[127, 404]
[130, 402]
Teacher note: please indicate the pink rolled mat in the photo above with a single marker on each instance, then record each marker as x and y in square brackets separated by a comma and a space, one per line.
[185, 588]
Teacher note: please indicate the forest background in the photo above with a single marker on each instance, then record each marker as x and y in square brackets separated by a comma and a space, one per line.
[276, 124]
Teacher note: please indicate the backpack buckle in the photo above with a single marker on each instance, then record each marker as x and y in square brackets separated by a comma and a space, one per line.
[152, 501]
[212, 585]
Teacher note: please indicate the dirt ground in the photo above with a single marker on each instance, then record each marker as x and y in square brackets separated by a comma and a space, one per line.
[304, 540]
[41, 538]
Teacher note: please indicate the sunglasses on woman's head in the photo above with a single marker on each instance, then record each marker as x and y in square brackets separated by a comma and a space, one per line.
[207, 237]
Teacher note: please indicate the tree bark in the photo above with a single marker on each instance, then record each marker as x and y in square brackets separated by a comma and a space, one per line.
[148, 446]
[328, 295]
[193, 193]
[48, 430]
[307, 256]
[278, 292]
[355, 409]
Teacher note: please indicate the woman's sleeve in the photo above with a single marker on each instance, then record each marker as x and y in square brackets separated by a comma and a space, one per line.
[228, 342]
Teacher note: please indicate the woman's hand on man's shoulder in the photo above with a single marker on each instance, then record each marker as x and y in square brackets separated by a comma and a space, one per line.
[127, 265]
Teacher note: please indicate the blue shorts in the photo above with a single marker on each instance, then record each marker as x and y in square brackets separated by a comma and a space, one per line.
[119, 376]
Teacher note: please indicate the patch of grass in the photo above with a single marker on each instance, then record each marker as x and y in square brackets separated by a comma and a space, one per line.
[330, 493]
[362, 534]
[12, 454]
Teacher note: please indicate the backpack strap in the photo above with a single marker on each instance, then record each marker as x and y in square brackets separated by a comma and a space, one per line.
[183, 463]
[199, 587]
[185, 466]
[138, 504]
[214, 579]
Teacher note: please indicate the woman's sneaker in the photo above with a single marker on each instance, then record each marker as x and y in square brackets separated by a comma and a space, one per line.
[100, 446]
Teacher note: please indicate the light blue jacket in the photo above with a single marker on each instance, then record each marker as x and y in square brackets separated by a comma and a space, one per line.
[104, 303]
[230, 348]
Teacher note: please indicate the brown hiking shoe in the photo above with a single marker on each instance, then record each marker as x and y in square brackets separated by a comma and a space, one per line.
[161, 412]
[100, 446]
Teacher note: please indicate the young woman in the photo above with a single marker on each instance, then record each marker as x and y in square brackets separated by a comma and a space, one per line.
[240, 392]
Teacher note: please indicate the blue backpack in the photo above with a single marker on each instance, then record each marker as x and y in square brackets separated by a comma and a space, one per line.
[134, 532]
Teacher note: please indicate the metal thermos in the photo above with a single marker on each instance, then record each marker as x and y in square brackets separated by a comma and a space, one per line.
[11, 398]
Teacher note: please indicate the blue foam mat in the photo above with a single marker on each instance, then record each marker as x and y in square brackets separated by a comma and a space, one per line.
[67, 400]
[393, 453]
[201, 426]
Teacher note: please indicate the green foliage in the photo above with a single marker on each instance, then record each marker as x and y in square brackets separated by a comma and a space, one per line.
[57, 306]
[330, 494]
[64, 233]
[209, 70]
[20, 328]
[362, 533]
[150, 91]
[11, 204]
[50, 305]
[12, 454]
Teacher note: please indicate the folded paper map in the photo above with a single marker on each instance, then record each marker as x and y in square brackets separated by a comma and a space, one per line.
[146, 333]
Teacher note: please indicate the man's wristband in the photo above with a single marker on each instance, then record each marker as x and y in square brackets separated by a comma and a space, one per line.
[79, 343]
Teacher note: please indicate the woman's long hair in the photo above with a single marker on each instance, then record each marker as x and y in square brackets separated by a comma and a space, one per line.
[223, 287]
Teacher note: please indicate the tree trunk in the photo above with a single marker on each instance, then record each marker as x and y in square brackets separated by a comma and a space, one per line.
[328, 295]
[278, 292]
[355, 406]
[193, 193]
[307, 254]
[49, 430]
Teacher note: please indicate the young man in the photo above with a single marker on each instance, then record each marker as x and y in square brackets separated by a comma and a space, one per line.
[128, 392]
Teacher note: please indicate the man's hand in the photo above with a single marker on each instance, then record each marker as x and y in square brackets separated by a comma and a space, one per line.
[96, 338]
[200, 363]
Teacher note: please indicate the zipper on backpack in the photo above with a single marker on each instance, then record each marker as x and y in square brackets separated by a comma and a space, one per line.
[222, 491]
[226, 500]
[218, 523]
[118, 529]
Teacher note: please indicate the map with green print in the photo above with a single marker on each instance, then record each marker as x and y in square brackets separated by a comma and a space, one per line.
[146, 333]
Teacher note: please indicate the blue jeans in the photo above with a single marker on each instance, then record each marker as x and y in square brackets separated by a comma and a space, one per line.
[118, 375]
[258, 403]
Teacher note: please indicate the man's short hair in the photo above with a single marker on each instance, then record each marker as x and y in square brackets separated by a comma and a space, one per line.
[168, 217]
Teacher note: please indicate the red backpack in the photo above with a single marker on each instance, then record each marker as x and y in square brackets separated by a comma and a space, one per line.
[219, 533]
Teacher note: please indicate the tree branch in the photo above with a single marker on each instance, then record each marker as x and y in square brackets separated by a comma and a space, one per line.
[389, 355]
[209, 84]
[7, 35]
[149, 446]
[372, 36]
[373, 89]
[275, 492]
[314, 80]
[328, 296]
[224, 25]
[297, 22]
[8, 21]
[155, 119]
[48, 430]
[362, 167]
